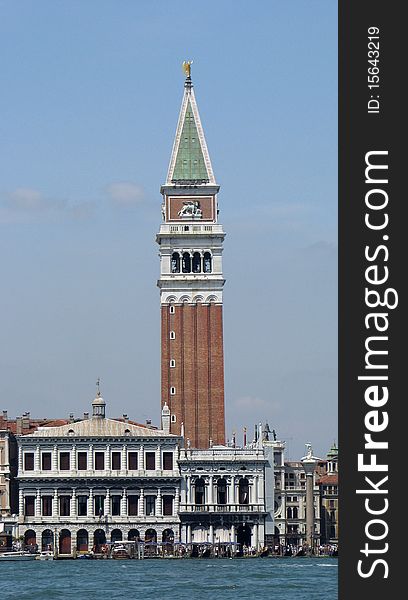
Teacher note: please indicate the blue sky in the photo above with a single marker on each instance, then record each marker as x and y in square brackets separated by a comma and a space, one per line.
[91, 92]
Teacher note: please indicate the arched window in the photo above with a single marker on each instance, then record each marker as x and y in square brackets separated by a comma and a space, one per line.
[186, 265]
[207, 262]
[196, 262]
[99, 540]
[47, 540]
[289, 513]
[243, 491]
[150, 536]
[82, 540]
[133, 535]
[30, 538]
[116, 535]
[175, 262]
[199, 491]
[65, 541]
[295, 512]
[222, 491]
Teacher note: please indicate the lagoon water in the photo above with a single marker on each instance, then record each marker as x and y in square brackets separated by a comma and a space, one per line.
[189, 579]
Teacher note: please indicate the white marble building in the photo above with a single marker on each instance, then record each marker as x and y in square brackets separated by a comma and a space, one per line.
[99, 480]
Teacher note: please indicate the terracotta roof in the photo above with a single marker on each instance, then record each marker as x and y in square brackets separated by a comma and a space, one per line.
[33, 424]
[332, 479]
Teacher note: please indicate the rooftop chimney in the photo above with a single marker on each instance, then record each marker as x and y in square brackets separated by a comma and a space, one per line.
[71, 417]
[19, 425]
[26, 420]
[5, 415]
[86, 415]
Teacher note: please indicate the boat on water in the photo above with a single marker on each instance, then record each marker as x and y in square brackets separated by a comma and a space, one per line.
[120, 552]
[45, 555]
[17, 555]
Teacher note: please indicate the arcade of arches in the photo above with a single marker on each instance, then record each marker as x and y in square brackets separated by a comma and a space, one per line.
[83, 540]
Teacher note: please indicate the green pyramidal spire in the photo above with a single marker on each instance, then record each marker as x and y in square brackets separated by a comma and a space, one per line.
[190, 165]
[190, 162]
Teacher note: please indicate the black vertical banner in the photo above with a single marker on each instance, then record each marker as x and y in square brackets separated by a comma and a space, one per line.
[372, 304]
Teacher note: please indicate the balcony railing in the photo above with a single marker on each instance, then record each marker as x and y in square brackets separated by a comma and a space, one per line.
[92, 473]
[203, 228]
[222, 508]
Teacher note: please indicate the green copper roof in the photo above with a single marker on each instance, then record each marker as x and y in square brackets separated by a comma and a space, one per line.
[190, 165]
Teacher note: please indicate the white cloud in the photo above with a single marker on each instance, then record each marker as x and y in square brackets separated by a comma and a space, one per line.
[125, 193]
[32, 201]
[28, 204]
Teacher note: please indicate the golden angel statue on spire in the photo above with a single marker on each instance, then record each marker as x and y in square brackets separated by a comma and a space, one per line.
[187, 67]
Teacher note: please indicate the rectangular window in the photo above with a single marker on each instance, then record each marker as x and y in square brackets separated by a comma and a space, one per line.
[82, 461]
[82, 506]
[172, 335]
[46, 506]
[29, 461]
[99, 505]
[172, 310]
[99, 461]
[64, 461]
[65, 506]
[132, 461]
[115, 506]
[167, 461]
[29, 506]
[132, 505]
[46, 461]
[116, 460]
[150, 461]
[167, 505]
[172, 391]
[150, 505]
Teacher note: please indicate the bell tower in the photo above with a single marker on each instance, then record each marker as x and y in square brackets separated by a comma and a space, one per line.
[191, 283]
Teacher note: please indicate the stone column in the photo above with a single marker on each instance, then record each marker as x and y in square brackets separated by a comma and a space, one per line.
[141, 458]
[73, 504]
[233, 533]
[309, 464]
[254, 499]
[176, 502]
[37, 509]
[159, 511]
[232, 490]
[261, 490]
[123, 508]
[55, 458]
[188, 534]
[20, 459]
[20, 501]
[73, 458]
[123, 465]
[141, 510]
[55, 511]
[90, 458]
[187, 490]
[255, 536]
[211, 540]
[210, 490]
[107, 458]
[158, 459]
[37, 458]
[90, 510]
[107, 503]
